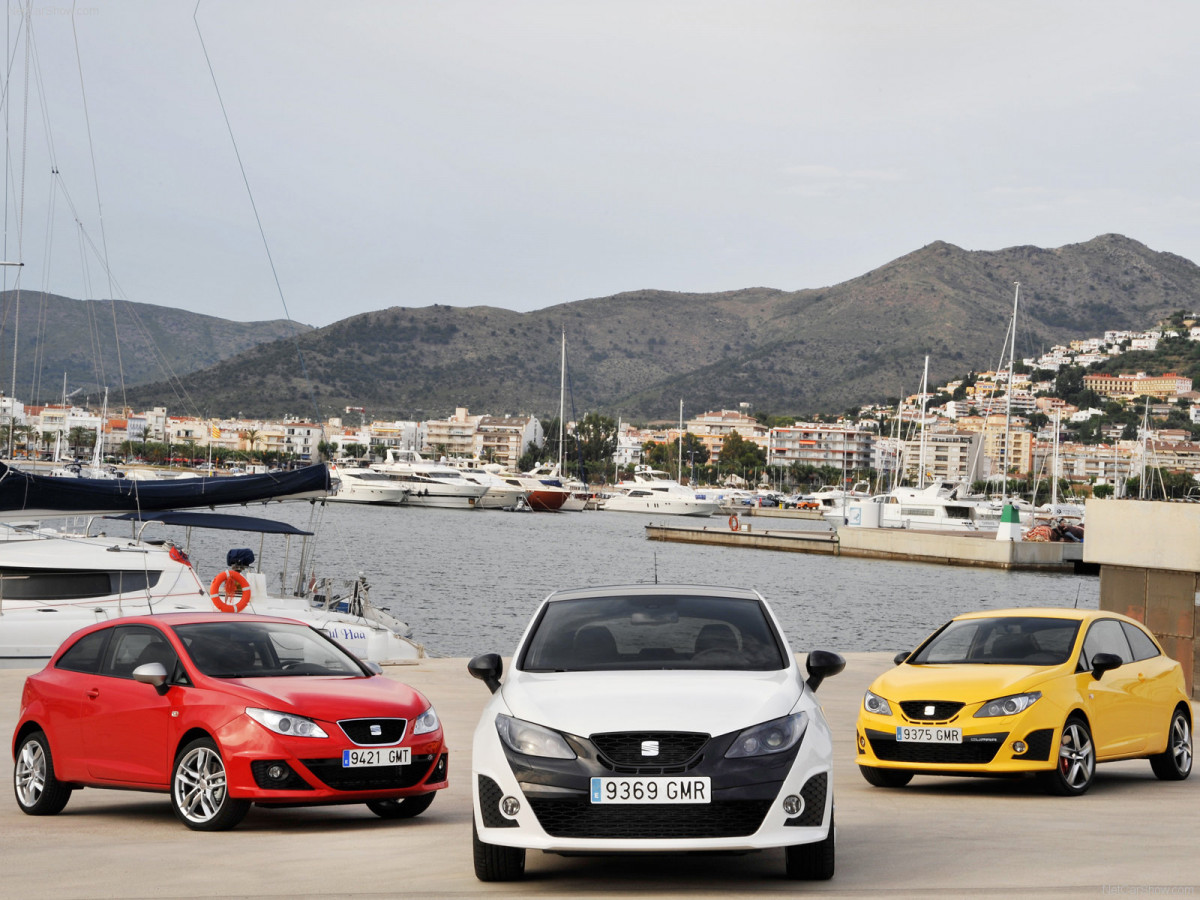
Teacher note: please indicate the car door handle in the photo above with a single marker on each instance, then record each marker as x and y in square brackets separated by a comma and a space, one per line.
[93, 693]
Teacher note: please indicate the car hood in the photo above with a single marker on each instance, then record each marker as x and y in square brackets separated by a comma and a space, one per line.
[330, 698]
[585, 703]
[968, 683]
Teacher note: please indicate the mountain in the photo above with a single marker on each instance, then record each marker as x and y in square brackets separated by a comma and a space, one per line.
[81, 338]
[637, 354]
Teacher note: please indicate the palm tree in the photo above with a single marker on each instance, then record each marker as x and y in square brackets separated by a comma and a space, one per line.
[251, 436]
[80, 438]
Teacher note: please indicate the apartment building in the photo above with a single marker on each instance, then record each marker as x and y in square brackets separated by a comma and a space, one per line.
[818, 444]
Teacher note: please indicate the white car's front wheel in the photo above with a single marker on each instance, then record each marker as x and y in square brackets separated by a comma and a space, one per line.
[496, 863]
[813, 862]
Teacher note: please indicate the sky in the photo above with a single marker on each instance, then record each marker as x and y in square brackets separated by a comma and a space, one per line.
[526, 153]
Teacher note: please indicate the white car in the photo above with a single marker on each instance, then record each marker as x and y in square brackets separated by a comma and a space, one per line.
[653, 718]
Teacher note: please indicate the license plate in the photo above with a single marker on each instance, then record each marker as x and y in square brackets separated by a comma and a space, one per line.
[651, 790]
[387, 756]
[912, 735]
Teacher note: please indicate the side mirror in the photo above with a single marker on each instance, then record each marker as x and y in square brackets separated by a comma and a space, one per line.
[487, 668]
[373, 667]
[1102, 662]
[821, 665]
[900, 657]
[154, 673]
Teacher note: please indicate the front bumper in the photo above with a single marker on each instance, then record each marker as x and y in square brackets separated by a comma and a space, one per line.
[274, 770]
[745, 812]
[987, 744]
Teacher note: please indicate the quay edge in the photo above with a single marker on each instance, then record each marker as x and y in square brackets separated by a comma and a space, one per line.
[888, 543]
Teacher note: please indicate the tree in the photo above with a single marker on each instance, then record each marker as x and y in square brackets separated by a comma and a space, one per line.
[740, 455]
[595, 442]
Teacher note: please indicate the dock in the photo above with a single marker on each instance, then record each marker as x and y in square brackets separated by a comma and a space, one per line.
[902, 544]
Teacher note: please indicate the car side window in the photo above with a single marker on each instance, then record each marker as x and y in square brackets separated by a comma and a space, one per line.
[1143, 647]
[1105, 636]
[136, 645]
[84, 655]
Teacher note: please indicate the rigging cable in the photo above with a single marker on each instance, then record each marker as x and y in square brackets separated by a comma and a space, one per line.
[99, 208]
[258, 220]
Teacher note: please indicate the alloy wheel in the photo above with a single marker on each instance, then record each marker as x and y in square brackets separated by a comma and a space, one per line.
[1076, 756]
[200, 785]
[29, 776]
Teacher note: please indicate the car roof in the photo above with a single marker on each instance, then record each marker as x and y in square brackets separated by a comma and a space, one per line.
[1046, 612]
[655, 590]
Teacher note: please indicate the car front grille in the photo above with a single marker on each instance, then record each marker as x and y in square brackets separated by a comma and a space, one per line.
[490, 796]
[582, 819]
[391, 731]
[627, 748]
[930, 710]
[813, 792]
[1039, 744]
[974, 750]
[373, 778]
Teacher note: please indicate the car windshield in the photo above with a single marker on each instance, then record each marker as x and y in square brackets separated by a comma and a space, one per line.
[259, 649]
[653, 632]
[1004, 640]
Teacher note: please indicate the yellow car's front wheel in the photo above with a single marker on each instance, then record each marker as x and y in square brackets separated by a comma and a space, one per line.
[1076, 761]
[886, 778]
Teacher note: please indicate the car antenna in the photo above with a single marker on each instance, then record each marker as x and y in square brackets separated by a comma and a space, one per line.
[1078, 588]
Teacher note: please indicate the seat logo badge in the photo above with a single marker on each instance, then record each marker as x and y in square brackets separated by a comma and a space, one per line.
[376, 731]
[649, 748]
[930, 710]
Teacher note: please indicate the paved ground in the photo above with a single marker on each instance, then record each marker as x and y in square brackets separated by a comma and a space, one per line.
[1130, 835]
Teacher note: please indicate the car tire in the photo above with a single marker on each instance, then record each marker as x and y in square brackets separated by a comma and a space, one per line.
[200, 791]
[1076, 766]
[495, 863]
[401, 808]
[1175, 762]
[885, 778]
[813, 862]
[39, 792]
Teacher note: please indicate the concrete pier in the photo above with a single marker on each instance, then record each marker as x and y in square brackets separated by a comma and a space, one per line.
[946, 548]
[938, 837]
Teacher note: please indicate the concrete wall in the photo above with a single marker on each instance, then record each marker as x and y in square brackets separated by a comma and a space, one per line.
[1149, 557]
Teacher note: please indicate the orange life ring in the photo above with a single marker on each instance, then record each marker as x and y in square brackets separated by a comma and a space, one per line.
[225, 586]
[734, 524]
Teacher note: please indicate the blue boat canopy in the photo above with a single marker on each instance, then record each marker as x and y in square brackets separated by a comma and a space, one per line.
[226, 521]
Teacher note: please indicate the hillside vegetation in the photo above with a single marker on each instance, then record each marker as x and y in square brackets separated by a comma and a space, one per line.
[637, 354]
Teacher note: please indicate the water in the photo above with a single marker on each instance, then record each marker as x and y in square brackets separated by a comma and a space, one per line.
[468, 581]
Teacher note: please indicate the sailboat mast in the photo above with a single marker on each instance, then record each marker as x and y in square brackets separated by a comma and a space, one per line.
[679, 468]
[1012, 349]
[562, 391]
[1054, 468]
[924, 395]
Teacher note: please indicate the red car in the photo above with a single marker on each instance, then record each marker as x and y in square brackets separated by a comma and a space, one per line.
[221, 711]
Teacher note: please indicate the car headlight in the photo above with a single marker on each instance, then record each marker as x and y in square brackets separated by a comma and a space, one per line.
[286, 724]
[532, 740]
[1008, 706]
[775, 736]
[425, 722]
[873, 703]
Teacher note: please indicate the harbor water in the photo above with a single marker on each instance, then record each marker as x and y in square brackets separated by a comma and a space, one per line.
[467, 581]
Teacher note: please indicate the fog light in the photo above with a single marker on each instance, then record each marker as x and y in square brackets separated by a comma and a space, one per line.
[862, 742]
[793, 804]
[277, 772]
[1019, 747]
[509, 807]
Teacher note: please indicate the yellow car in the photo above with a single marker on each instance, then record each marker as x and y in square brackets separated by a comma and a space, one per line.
[1044, 691]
